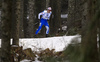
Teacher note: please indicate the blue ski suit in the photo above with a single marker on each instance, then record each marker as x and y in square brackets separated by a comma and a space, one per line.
[44, 21]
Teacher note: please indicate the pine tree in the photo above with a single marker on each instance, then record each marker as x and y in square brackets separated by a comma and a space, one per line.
[98, 22]
[31, 19]
[55, 23]
[74, 17]
[6, 30]
[89, 34]
[15, 21]
[47, 3]
[25, 18]
[21, 29]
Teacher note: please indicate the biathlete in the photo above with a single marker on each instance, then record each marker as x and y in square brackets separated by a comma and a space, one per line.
[44, 20]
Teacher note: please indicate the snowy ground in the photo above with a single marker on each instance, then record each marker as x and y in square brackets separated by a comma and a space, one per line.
[36, 44]
[57, 43]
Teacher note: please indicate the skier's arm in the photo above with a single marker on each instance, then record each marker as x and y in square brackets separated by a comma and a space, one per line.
[40, 15]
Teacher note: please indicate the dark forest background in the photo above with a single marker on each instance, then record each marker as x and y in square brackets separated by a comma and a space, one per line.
[18, 19]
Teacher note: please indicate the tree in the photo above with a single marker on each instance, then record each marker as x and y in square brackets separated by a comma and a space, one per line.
[31, 19]
[0, 4]
[6, 30]
[99, 36]
[25, 18]
[74, 17]
[89, 34]
[97, 18]
[47, 3]
[15, 21]
[55, 23]
[0, 22]
[99, 33]
[71, 16]
[21, 29]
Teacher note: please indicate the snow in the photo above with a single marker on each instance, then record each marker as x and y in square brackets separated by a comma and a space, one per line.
[36, 60]
[25, 60]
[37, 44]
[64, 15]
[64, 28]
[57, 43]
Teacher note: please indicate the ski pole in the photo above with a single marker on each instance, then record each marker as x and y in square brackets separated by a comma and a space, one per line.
[36, 23]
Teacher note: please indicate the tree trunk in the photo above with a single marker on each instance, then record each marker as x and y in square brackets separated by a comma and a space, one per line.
[21, 29]
[98, 19]
[89, 35]
[71, 16]
[16, 19]
[74, 16]
[6, 31]
[0, 4]
[31, 19]
[99, 38]
[47, 3]
[0, 22]
[25, 18]
[55, 23]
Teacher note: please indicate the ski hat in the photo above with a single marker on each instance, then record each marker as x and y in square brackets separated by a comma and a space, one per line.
[49, 8]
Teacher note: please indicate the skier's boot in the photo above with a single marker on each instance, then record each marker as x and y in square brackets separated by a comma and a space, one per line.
[35, 36]
[47, 35]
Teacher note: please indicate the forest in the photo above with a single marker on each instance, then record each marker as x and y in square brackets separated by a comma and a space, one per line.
[19, 21]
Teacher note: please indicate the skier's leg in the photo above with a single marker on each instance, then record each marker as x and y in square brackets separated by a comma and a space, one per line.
[47, 27]
[40, 26]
